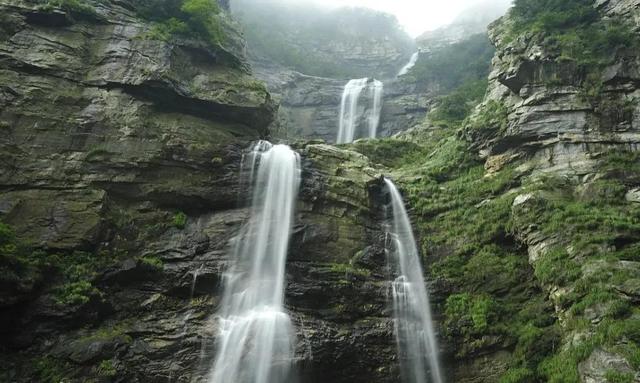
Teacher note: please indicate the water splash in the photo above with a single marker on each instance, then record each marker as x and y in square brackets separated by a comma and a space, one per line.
[412, 62]
[415, 335]
[256, 341]
[349, 120]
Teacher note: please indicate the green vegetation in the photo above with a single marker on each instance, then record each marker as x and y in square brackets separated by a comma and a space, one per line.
[349, 269]
[48, 369]
[184, 18]
[468, 314]
[18, 264]
[469, 229]
[452, 66]
[179, 220]
[454, 108]
[107, 368]
[491, 119]
[109, 333]
[22, 268]
[598, 230]
[460, 72]
[575, 29]
[613, 376]
[153, 262]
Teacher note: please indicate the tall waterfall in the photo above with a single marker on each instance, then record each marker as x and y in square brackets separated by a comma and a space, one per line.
[374, 114]
[412, 62]
[349, 112]
[256, 342]
[415, 336]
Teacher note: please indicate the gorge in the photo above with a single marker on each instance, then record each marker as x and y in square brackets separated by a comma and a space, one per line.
[149, 233]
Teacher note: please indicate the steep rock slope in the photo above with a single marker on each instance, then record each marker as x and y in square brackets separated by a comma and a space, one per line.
[121, 194]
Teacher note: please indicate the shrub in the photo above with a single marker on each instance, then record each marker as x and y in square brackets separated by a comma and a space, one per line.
[180, 220]
[455, 107]
[154, 262]
[106, 368]
[185, 18]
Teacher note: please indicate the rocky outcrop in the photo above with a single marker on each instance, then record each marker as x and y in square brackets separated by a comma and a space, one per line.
[550, 115]
[557, 120]
[120, 163]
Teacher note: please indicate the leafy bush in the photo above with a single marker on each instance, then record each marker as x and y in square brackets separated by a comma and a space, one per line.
[518, 375]
[49, 369]
[185, 18]
[154, 262]
[179, 220]
[107, 368]
[456, 106]
[469, 314]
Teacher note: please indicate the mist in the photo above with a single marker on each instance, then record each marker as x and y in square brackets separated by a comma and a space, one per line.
[415, 16]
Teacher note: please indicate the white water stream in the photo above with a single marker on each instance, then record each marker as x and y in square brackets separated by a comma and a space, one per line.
[256, 341]
[415, 335]
[349, 109]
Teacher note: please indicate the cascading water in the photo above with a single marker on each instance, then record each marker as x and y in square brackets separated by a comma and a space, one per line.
[348, 119]
[415, 335]
[374, 115]
[256, 341]
[412, 62]
[349, 109]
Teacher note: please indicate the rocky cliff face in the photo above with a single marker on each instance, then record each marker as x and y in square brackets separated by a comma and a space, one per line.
[120, 179]
[309, 106]
[120, 171]
[320, 40]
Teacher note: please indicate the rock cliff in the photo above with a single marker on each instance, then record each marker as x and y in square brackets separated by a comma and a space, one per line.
[121, 193]
[309, 106]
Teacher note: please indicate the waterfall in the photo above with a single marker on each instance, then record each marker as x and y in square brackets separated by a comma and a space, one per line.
[348, 119]
[412, 62]
[349, 109]
[374, 114]
[415, 336]
[256, 341]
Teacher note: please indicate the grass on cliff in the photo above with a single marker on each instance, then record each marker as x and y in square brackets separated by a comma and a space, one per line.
[575, 29]
[598, 233]
[496, 299]
[462, 217]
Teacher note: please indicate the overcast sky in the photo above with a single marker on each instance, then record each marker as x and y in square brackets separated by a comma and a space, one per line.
[416, 16]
